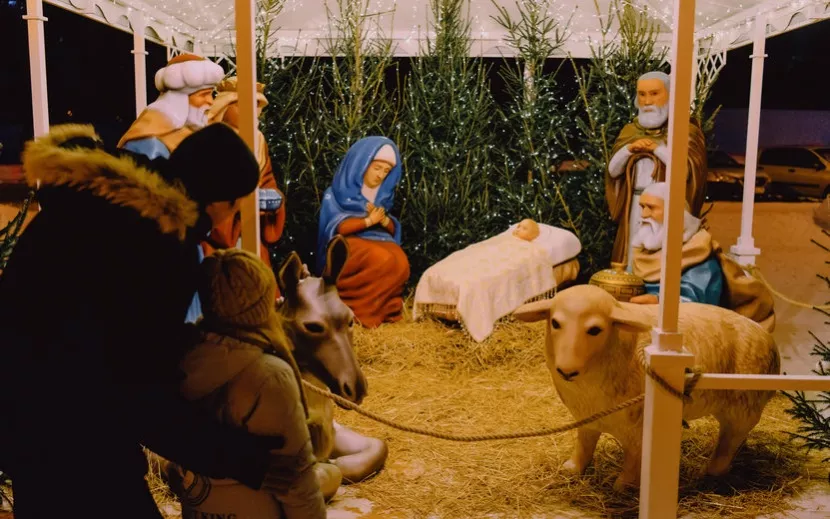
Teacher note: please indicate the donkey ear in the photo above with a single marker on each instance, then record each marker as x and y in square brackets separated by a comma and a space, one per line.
[631, 317]
[290, 273]
[336, 256]
[532, 312]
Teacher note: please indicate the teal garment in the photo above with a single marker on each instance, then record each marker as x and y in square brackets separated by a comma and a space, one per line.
[702, 283]
[149, 146]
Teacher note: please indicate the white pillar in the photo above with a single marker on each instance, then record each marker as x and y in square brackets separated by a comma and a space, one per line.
[37, 66]
[140, 62]
[246, 87]
[745, 250]
[662, 414]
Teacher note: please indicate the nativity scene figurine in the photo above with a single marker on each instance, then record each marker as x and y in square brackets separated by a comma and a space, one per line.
[639, 158]
[357, 206]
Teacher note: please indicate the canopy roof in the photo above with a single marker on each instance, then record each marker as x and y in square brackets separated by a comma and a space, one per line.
[207, 26]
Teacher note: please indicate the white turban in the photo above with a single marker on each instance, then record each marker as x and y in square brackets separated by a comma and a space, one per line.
[188, 73]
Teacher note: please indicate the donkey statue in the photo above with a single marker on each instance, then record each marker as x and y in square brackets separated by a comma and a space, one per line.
[319, 325]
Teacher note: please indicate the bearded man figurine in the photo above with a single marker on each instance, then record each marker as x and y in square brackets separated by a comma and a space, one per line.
[708, 275]
[639, 158]
[186, 85]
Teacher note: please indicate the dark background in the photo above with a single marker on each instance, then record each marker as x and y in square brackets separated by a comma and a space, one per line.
[90, 74]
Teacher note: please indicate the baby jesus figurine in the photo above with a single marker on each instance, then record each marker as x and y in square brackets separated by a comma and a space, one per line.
[527, 230]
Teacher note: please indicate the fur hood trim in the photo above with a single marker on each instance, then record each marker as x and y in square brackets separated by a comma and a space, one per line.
[118, 179]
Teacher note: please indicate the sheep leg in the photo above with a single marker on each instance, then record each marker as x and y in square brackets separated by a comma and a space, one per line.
[733, 433]
[586, 443]
[630, 475]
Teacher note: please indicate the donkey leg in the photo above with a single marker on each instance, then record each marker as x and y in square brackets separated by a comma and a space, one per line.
[733, 433]
[357, 456]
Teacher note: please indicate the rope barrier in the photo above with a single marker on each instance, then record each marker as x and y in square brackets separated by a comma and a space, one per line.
[682, 395]
[755, 272]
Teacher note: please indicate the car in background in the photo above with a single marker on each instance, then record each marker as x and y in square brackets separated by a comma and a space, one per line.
[797, 170]
[725, 177]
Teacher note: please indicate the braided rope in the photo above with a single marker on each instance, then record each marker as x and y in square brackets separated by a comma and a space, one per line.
[684, 396]
[755, 272]
[472, 438]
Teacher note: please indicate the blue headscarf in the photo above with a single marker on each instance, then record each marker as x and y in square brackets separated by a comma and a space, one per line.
[344, 200]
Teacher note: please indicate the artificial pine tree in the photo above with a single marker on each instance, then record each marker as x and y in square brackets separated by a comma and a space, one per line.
[537, 125]
[11, 232]
[447, 141]
[318, 109]
[814, 410]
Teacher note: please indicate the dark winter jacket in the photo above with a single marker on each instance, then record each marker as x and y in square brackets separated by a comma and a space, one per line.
[92, 309]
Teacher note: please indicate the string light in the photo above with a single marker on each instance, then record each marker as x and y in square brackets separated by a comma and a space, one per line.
[210, 23]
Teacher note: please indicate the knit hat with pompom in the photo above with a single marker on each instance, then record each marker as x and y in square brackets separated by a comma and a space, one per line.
[237, 288]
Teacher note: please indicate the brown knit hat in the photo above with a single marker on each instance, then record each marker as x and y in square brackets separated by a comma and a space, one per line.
[237, 288]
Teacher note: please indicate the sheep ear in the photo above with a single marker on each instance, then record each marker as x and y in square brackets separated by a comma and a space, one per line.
[631, 318]
[535, 311]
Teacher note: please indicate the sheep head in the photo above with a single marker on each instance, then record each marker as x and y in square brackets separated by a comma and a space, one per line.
[582, 323]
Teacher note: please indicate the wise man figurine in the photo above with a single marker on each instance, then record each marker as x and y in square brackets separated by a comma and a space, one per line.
[225, 109]
[639, 158]
[186, 93]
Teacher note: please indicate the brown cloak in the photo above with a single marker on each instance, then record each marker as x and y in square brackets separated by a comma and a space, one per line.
[742, 292]
[152, 123]
[619, 191]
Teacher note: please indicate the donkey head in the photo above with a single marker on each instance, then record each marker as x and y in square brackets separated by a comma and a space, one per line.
[320, 324]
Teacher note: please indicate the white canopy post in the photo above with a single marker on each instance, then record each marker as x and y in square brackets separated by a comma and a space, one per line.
[37, 66]
[246, 87]
[662, 416]
[745, 250]
[138, 24]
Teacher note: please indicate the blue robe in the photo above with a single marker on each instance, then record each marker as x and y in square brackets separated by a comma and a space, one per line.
[702, 283]
[149, 146]
[343, 199]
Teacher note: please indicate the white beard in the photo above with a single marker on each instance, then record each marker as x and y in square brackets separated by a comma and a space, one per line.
[653, 116]
[650, 234]
[196, 117]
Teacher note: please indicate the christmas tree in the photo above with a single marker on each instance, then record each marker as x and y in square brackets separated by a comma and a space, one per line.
[538, 122]
[11, 232]
[813, 410]
[319, 108]
[447, 141]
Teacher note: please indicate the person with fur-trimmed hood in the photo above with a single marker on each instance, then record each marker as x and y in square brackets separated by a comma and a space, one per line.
[92, 307]
[186, 86]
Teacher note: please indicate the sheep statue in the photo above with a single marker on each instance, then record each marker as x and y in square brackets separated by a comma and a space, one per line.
[591, 347]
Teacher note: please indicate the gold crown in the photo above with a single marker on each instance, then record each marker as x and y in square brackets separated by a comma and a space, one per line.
[229, 85]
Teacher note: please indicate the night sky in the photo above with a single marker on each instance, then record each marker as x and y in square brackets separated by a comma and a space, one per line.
[90, 73]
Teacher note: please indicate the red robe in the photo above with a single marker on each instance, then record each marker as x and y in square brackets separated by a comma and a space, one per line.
[372, 280]
[227, 234]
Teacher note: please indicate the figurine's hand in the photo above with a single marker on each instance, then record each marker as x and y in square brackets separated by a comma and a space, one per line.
[376, 215]
[641, 145]
[649, 145]
[370, 207]
[645, 299]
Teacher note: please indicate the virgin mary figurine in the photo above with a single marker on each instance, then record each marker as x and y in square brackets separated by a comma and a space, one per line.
[357, 206]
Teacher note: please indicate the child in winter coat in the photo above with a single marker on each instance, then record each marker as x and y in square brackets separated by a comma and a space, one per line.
[244, 373]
